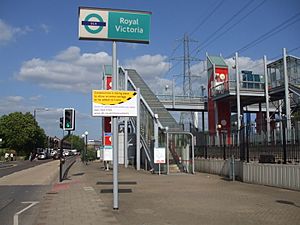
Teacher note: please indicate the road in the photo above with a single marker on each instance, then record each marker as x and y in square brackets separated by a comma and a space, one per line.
[23, 184]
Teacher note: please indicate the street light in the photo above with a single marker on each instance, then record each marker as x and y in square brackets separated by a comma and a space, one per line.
[38, 109]
[85, 151]
[223, 132]
[167, 148]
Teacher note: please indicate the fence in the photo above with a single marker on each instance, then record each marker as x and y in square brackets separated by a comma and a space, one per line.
[252, 147]
[254, 153]
[65, 165]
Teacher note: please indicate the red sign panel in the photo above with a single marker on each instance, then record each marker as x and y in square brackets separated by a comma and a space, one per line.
[108, 83]
[221, 74]
[107, 139]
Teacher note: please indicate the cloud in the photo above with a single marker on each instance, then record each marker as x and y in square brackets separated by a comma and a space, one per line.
[45, 28]
[9, 33]
[10, 104]
[245, 63]
[35, 98]
[149, 66]
[15, 98]
[69, 70]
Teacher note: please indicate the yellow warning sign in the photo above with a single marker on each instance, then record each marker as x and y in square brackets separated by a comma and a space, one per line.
[114, 103]
[112, 97]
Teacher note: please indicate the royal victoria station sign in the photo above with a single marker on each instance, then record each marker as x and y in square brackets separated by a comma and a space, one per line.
[114, 25]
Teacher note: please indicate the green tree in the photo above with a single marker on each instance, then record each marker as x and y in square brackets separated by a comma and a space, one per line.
[21, 132]
[76, 142]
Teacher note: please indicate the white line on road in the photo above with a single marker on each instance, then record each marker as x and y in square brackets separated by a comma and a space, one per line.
[16, 216]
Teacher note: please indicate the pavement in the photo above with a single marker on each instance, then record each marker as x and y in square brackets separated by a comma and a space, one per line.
[43, 174]
[85, 198]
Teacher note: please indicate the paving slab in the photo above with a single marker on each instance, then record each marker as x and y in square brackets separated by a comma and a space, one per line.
[86, 198]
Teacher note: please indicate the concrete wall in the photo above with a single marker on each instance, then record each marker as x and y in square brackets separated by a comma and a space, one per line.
[213, 166]
[276, 175]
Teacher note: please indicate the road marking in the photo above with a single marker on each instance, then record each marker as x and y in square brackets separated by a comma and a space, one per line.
[16, 216]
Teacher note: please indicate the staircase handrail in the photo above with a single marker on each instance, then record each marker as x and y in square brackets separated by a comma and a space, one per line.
[144, 145]
[145, 103]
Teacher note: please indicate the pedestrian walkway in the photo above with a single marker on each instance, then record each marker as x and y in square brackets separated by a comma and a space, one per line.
[148, 199]
[74, 201]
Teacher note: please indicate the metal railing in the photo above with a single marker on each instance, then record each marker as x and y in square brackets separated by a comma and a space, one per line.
[253, 147]
[230, 85]
[182, 98]
[65, 165]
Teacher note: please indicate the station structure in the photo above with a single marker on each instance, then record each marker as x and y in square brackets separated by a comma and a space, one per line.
[229, 105]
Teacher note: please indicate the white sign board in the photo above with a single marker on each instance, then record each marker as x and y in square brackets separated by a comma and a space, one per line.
[114, 103]
[107, 153]
[114, 25]
[159, 155]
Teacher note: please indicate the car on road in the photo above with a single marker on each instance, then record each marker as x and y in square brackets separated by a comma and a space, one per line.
[42, 155]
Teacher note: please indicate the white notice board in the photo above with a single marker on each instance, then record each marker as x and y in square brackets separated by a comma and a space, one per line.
[159, 155]
[107, 153]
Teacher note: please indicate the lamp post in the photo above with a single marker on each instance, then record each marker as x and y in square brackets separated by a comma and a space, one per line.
[83, 152]
[38, 109]
[85, 148]
[223, 132]
[167, 149]
[35, 110]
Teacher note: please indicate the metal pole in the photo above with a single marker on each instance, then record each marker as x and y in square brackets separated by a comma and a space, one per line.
[247, 142]
[155, 130]
[158, 168]
[267, 98]
[238, 100]
[203, 121]
[115, 133]
[126, 128]
[138, 133]
[86, 149]
[233, 169]
[173, 93]
[167, 150]
[286, 92]
[193, 155]
[224, 146]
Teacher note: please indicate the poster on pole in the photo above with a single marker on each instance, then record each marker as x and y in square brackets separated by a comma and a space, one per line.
[159, 155]
[108, 153]
[114, 103]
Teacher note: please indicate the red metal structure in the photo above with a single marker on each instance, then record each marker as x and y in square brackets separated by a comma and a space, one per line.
[219, 111]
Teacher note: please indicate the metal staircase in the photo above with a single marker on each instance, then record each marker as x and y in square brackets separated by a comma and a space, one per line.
[154, 106]
[164, 117]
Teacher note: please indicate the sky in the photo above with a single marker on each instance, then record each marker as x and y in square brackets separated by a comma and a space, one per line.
[44, 67]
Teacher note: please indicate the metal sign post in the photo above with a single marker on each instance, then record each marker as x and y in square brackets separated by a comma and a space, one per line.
[113, 25]
[115, 134]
